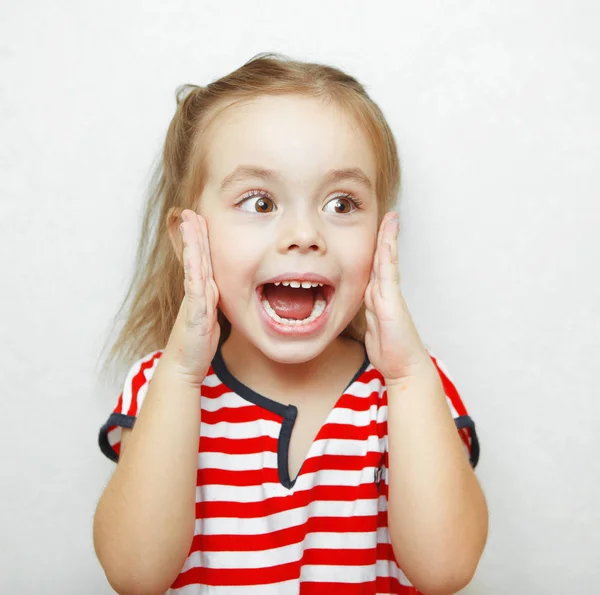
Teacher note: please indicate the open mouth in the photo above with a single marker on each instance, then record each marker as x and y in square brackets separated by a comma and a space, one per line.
[295, 303]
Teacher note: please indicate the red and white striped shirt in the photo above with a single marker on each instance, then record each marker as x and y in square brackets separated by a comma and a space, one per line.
[260, 532]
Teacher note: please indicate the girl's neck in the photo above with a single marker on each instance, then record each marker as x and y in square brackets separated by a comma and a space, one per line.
[250, 366]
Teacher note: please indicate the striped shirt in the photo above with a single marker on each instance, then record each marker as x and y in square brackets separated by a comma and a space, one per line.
[260, 532]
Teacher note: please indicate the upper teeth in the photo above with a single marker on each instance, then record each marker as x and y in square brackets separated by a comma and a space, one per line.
[303, 284]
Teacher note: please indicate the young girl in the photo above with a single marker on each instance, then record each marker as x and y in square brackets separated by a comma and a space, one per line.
[285, 430]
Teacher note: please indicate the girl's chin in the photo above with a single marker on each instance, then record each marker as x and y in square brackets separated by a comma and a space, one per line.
[298, 353]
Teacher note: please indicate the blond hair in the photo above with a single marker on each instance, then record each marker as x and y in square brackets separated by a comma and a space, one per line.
[156, 289]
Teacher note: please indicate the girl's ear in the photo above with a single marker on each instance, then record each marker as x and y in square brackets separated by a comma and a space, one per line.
[173, 222]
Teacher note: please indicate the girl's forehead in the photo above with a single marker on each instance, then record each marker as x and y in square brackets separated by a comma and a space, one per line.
[295, 134]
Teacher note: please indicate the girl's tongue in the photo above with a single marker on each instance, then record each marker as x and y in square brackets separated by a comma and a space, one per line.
[290, 302]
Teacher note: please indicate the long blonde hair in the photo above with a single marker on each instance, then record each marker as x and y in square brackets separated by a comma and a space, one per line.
[156, 289]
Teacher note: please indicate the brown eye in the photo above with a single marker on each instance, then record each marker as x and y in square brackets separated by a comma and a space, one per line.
[264, 205]
[341, 205]
[257, 203]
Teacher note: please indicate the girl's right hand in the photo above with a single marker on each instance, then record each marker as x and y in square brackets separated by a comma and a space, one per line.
[195, 336]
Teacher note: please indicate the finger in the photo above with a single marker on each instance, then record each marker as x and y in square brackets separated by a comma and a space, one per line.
[368, 296]
[210, 286]
[192, 218]
[371, 320]
[395, 228]
[375, 266]
[380, 236]
[189, 257]
[206, 246]
[387, 270]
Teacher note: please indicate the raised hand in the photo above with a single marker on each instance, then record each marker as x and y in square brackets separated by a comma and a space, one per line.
[391, 339]
[195, 335]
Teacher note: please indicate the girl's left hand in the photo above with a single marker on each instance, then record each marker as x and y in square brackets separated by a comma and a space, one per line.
[391, 339]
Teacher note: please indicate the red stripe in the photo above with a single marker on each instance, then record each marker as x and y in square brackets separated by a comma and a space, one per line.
[348, 432]
[385, 552]
[341, 462]
[236, 478]
[238, 415]
[371, 374]
[214, 392]
[138, 381]
[238, 446]
[238, 577]
[339, 557]
[356, 403]
[119, 406]
[450, 390]
[283, 537]
[309, 588]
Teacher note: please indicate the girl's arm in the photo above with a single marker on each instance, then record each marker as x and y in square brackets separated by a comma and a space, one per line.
[437, 514]
[144, 522]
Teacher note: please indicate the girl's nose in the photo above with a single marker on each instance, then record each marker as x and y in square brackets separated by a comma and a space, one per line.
[301, 233]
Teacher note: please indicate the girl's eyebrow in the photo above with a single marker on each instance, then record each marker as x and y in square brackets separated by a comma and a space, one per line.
[243, 172]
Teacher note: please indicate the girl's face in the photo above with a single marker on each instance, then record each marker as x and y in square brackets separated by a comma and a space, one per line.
[289, 195]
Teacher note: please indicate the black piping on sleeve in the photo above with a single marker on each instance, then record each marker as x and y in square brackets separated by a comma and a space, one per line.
[465, 421]
[115, 419]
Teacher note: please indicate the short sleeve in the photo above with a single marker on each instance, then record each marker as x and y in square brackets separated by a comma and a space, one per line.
[128, 404]
[464, 423]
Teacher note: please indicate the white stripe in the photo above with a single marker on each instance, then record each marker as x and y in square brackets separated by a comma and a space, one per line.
[244, 559]
[114, 436]
[246, 429]
[229, 400]
[281, 555]
[286, 518]
[451, 406]
[341, 574]
[366, 389]
[211, 380]
[342, 415]
[343, 447]
[287, 587]
[237, 462]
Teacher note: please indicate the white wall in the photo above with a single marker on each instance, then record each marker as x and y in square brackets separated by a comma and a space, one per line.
[495, 109]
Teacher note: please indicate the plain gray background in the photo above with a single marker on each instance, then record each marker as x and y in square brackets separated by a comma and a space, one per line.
[495, 109]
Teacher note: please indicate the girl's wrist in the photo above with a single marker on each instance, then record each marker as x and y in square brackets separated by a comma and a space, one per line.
[172, 361]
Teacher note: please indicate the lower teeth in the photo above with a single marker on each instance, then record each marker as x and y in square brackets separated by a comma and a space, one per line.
[318, 308]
